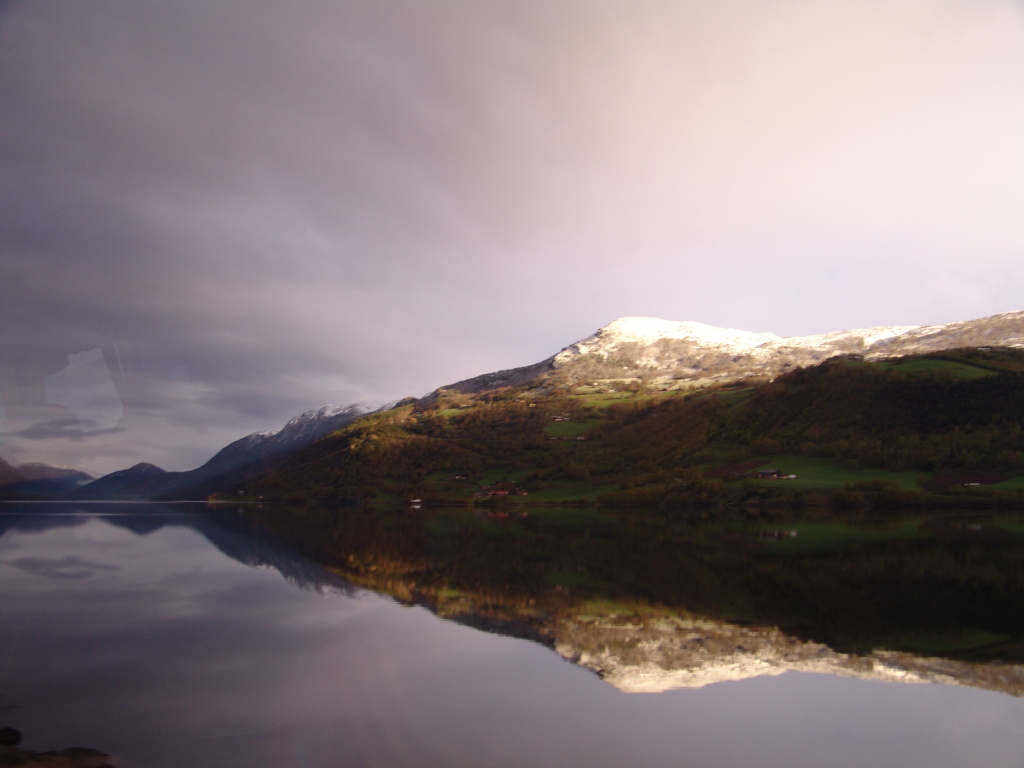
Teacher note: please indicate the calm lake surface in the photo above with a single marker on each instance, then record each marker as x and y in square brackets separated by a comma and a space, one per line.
[174, 638]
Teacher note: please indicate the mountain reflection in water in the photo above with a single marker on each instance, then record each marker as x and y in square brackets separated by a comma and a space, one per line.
[167, 636]
[651, 603]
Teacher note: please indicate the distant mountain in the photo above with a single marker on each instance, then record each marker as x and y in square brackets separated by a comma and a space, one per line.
[631, 353]
[40, 471]
[36, 480]
[232, 465]
[670, 354]
[945, 419]
[9, 474]
[110, 486]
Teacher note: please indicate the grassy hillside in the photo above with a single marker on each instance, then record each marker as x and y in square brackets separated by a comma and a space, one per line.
[892, 430]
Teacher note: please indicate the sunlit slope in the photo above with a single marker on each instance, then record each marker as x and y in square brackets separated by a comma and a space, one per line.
[952, 412]
[669, 354]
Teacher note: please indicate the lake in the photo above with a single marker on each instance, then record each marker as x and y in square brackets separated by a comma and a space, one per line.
[174, 636]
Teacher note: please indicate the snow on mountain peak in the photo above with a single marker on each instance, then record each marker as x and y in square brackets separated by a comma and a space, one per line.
[330, 411]
[323, 412]
[866, 336]
[699, 351]
[646, 331]
[312, 417]
[649, 329]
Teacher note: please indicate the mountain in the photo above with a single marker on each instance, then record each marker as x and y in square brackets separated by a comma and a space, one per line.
[632, 355]
[36, 480]
[233, 464]
[666, 414]
[40, 471]
[110, 486]
[9, 474]
[670, 354]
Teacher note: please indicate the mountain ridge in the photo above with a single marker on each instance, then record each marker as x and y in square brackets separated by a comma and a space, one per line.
[686, 353]
[604, 427]
[232, 464]
[651, 352]
[38, 480]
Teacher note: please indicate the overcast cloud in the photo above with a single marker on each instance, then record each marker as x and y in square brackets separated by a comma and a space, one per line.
[255, 208]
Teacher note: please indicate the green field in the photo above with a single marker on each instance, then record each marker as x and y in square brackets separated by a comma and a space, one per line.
[570, 428]
[566, 490]
[599, 396]
[493, 476]
[449, 413]
[553, 491]
[732, 396]
[816, 473]
[952, 368]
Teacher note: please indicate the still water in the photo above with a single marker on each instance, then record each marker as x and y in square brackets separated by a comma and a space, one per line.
[171, 638]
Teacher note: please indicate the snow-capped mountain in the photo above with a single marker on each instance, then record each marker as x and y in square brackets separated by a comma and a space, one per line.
[311, 425]
[648, 331]
[298, 432]
[672, 353]
[236, 462]
[689, 350]
[665, 353]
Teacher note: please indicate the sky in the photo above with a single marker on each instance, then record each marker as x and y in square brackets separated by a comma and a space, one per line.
[215, 216]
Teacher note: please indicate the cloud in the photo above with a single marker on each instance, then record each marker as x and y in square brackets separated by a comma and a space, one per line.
[253, 210]
[63, 429]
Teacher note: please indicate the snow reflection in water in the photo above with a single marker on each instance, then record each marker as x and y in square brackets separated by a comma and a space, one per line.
[155, 638]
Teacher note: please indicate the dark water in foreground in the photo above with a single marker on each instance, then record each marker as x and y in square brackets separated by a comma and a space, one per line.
[175, 639]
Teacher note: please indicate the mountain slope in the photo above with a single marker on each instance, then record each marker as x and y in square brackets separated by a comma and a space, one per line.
[112, 485]
[38, 481]
[961, 410]
[235, 463]
[679, 353]
[668, 354]
[632, 353]
[9, 474]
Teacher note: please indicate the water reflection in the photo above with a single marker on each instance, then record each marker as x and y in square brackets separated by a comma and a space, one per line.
[650, 603]
[170, 651]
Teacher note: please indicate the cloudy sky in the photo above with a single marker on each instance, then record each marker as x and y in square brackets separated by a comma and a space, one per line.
[218, 215]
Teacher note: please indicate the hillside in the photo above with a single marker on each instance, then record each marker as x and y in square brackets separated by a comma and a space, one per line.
[887, 427]
[668, 354]
[237, 462]
[624, 416]
[36, 480]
